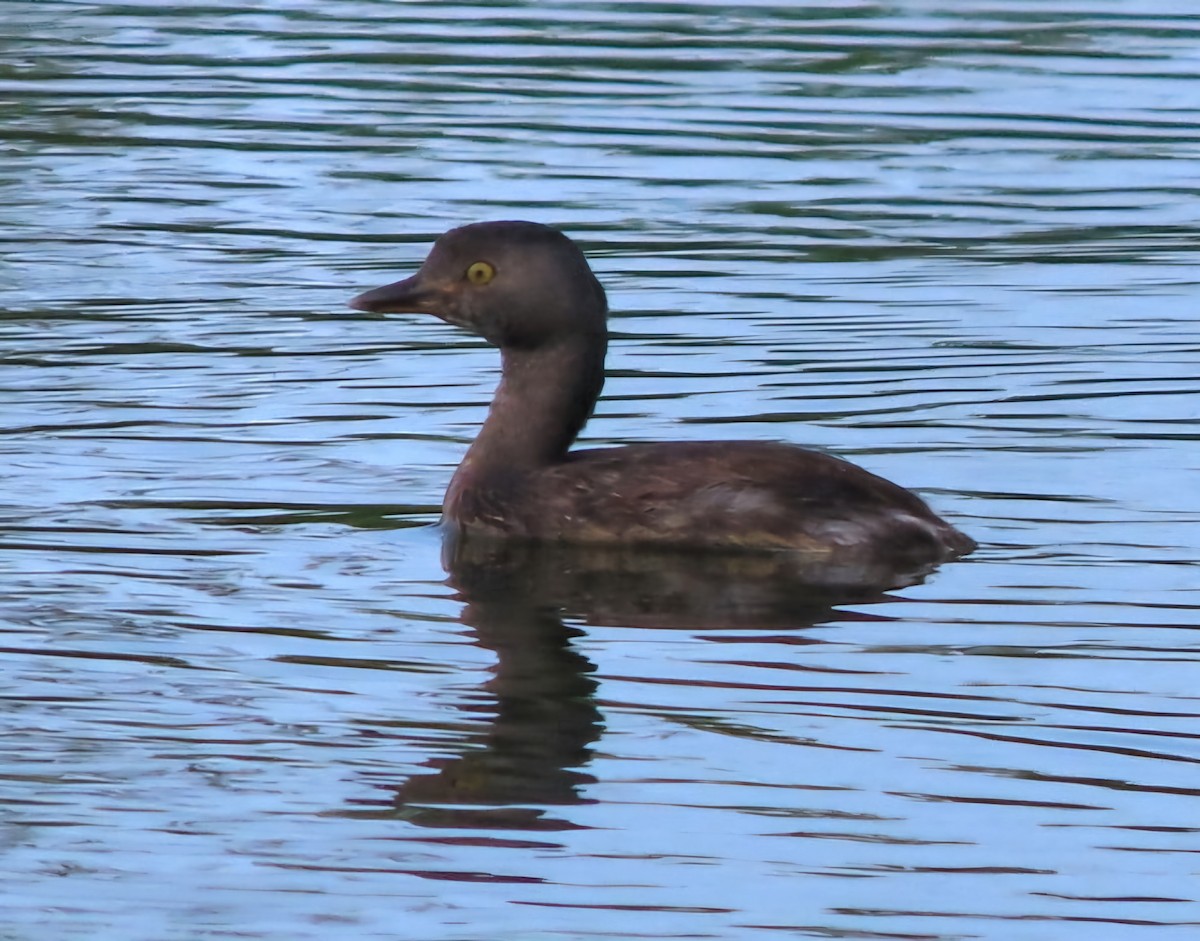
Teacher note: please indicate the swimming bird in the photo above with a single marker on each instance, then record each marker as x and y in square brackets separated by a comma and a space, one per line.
[528, 289]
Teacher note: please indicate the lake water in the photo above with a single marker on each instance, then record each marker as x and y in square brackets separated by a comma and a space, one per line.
[956, 243]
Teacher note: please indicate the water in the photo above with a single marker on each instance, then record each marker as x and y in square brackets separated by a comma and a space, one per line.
[954, 243]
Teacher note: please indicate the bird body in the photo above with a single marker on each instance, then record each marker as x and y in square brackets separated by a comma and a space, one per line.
[742, 495]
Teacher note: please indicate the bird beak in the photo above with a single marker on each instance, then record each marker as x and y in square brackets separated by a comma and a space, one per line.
[409, 296]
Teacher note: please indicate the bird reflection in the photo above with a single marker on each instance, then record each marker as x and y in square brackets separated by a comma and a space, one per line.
[544, 716]
[544, 719]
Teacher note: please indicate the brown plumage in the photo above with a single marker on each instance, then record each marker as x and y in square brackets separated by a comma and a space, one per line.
[527, 289]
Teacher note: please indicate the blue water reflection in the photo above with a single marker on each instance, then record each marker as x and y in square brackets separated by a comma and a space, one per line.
[240, 693]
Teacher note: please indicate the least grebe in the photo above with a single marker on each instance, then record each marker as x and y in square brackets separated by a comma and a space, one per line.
[527, 289]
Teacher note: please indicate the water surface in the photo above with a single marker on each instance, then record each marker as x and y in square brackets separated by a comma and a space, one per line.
[241, 694]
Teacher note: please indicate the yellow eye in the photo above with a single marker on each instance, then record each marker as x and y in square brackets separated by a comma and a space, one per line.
[480, 273]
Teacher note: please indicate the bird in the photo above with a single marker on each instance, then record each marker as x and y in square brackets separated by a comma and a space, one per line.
[528, 289]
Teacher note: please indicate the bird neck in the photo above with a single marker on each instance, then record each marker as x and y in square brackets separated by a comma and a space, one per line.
[545, 397]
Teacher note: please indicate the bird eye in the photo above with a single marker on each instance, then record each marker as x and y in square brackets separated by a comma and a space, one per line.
[480, 273]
